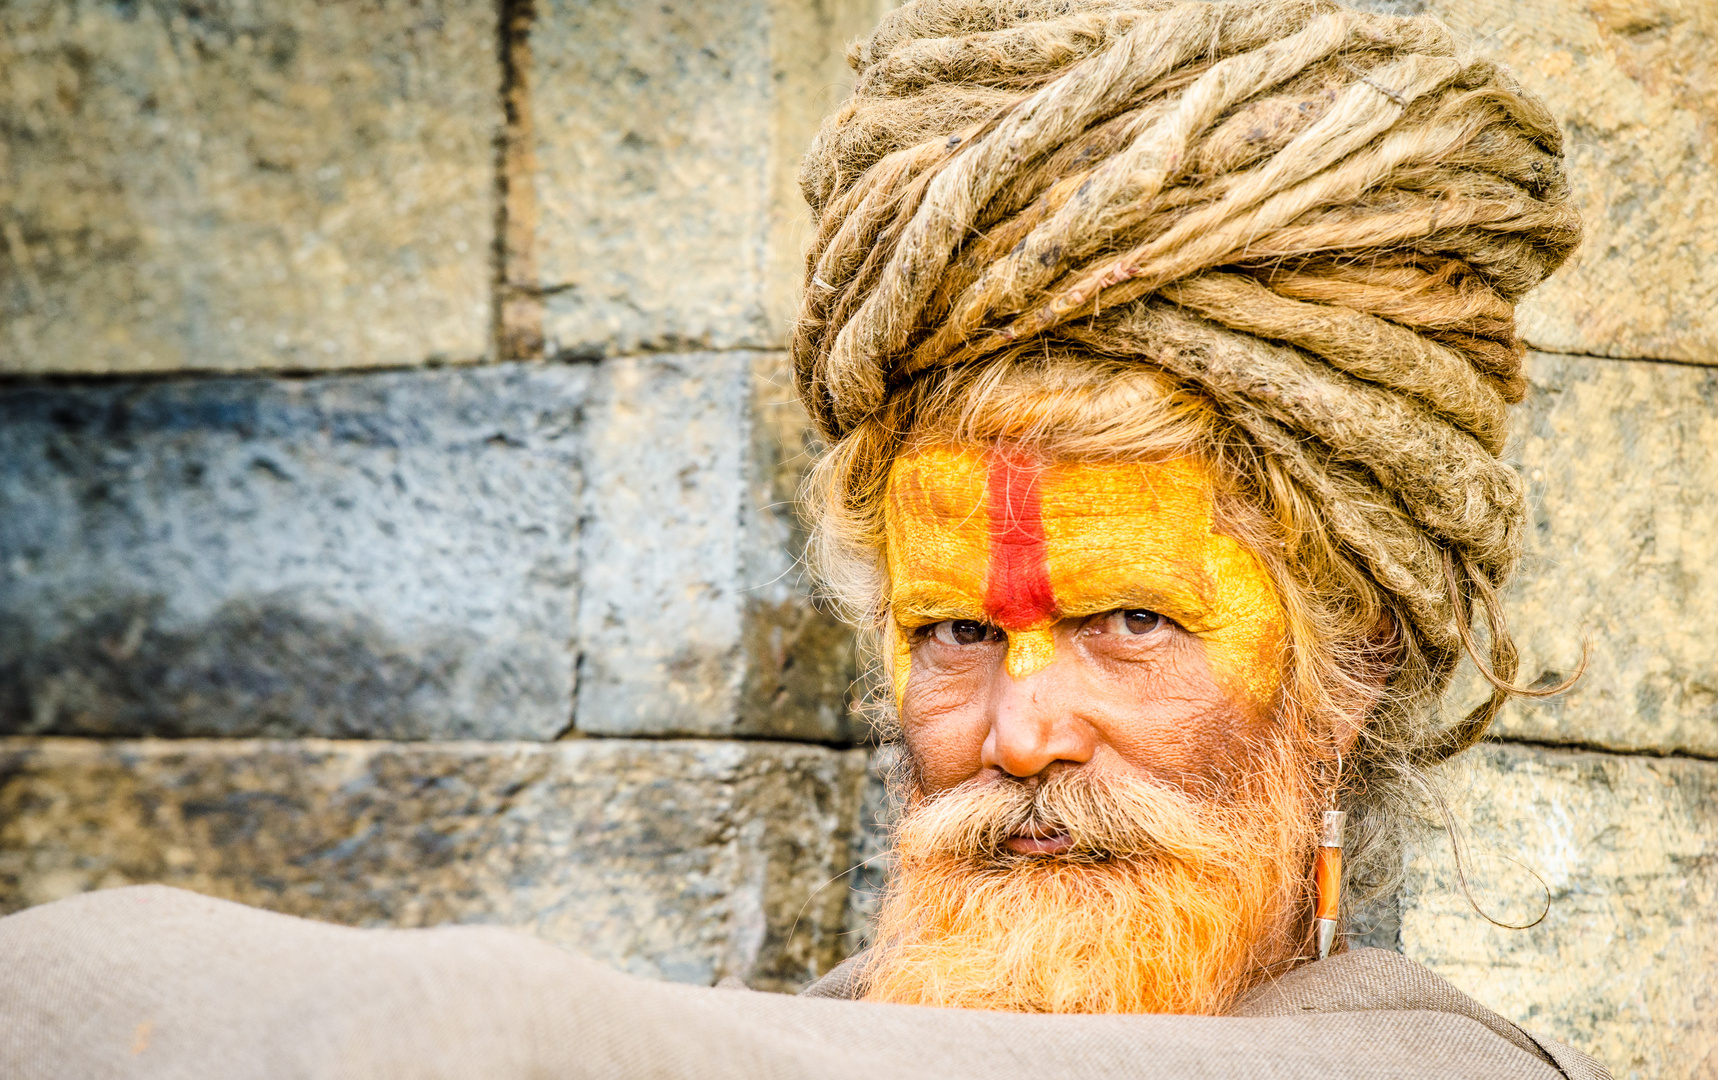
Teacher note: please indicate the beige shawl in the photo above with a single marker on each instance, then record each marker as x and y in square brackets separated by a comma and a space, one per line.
[159, 983]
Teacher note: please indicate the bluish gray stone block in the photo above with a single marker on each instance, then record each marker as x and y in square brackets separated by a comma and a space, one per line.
[385, 555]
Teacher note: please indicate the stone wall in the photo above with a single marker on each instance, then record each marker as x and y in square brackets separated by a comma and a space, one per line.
[396, 469]
[395, 464]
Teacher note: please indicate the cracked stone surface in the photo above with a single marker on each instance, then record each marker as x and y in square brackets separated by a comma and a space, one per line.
[1635, 85]
[668, 141]
[1624, 964]
[684, 860]
[388, 555]
[696, 617]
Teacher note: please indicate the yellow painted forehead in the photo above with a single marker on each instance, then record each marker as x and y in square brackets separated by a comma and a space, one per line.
[998, 537]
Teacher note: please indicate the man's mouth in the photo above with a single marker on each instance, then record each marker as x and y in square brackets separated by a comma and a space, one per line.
[1035, 838]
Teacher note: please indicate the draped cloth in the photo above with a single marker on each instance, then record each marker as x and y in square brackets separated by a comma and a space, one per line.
[159, 983]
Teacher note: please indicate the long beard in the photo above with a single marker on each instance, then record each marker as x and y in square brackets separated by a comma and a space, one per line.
[1166, 903]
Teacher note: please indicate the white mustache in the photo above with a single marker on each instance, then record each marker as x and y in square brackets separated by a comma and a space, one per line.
[1105, 818]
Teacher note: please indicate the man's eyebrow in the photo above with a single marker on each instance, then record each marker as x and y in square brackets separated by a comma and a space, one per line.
[921, 606]
[1174, 602]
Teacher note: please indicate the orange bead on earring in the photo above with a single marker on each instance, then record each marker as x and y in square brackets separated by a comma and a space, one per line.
[1327, 876]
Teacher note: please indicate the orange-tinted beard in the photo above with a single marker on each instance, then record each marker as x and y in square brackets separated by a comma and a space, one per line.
[1166, 903]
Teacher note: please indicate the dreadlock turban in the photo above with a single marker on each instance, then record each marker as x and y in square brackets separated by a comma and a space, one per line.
[1320, 218]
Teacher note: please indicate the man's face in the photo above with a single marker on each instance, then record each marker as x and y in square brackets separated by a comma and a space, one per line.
[1074, 615]
[1105, 813]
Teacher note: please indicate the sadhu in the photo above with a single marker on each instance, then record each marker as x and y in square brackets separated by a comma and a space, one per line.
[1163, 355]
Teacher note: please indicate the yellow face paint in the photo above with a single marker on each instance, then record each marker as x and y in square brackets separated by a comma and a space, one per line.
[998, 538]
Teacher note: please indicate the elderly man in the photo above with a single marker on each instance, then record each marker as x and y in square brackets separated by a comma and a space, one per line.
[1163, 352]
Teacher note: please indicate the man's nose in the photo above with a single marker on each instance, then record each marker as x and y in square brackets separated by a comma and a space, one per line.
[1032, 726]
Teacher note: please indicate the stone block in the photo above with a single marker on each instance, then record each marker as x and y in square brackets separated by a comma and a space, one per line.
[225, 186]
[1636, 86]
[696, 617]
[687, 860]
[1620, 460]
[667, 137]
[1624, 964]
[383, 555]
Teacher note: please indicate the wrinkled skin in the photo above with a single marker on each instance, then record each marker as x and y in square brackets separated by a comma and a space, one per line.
[1065, 671]
[1127, 695]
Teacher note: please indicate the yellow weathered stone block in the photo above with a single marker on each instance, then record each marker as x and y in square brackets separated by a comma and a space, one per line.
[686, 860]
[1625, 964]
[668, 139]
[1620, 461]
[1635, 83]
[296, 185]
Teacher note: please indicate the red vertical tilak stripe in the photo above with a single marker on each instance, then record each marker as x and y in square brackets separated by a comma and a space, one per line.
[1017, 591]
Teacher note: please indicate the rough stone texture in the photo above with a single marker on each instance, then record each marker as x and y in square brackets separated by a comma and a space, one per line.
[668, 135]
[388, 555]
[695, 618]
[1621, 464]
[686, 860]
[1625, 964]
[399, 556]
[1635, 83]
[228, 185]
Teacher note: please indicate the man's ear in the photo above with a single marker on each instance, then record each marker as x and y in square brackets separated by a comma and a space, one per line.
[1377, 660]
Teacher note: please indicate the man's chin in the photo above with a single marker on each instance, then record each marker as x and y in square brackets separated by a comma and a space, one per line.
[1049, 934]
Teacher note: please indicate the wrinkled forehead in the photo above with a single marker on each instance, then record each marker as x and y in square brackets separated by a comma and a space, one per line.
[958, 488]
[969, 512]
[995, 534]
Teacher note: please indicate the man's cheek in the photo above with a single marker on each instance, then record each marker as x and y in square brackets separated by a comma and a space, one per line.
[944, 734]
[941, 674]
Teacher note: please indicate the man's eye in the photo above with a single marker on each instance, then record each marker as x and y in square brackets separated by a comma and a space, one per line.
[965, 632]
[1132, 621]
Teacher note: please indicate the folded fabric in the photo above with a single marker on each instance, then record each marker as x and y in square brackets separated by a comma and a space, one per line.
[160, 983]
